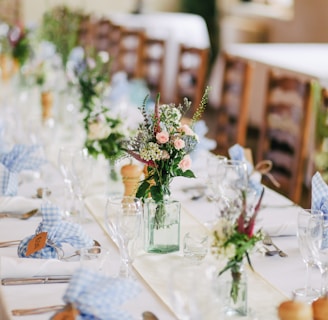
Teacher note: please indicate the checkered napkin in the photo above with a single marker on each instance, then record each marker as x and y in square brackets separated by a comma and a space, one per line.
[97, 296]
[319, 193]
[236, 152]
[59, 232]
[21, 157]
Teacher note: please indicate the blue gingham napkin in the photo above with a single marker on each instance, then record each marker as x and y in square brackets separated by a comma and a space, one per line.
[201, 129]
[21, 157]
[99, 297]
[59, 232]
[319, 194]
[236, 152]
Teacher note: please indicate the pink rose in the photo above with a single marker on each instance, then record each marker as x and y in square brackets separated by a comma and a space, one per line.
[179, 144]
[185, 163]
[187, 130]
[162, 137]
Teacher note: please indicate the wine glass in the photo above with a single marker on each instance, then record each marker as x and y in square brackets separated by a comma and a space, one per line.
[213, 178]
[307, 293]
[65, 156]
[81, 175]
[191, 304]
[232, 186]
[317, 237]
[123, 220]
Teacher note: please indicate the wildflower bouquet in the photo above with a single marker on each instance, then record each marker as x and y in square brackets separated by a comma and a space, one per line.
[105, 135]
[20, 44]
[234, 240]
[163, 143]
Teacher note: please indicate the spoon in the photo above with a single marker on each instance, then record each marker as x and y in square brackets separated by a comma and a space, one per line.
[78, 252]
[147, 315]
[23, 216]
[268, 241]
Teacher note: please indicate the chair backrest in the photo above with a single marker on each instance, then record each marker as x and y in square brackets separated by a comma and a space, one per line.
[86, 31]
[191, 74]
[103, 28]
[130, 51]
[232, 114]
[285, 131]
[152, 65]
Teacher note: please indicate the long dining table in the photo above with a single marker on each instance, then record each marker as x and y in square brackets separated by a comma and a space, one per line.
[271, 282]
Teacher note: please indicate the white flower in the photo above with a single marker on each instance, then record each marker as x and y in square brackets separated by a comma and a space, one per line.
[230, 251]
[98, 130]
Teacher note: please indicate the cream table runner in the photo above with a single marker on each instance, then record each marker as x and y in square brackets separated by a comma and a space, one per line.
[155, 268]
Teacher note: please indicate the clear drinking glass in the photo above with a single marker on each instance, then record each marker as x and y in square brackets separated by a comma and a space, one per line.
[317, 237]
[233, 184]
[306, 293]
[123, 219]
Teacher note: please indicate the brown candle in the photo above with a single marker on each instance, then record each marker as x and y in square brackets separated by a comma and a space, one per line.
[320, 309]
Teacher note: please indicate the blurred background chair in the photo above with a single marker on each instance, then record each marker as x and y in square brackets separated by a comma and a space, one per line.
[86, 31]
[152, 65]
[232, 114]
[284, 135]
[191, 74]
[130, 51]
[101, 34]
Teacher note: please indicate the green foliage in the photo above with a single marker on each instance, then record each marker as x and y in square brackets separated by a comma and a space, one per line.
[60, 26]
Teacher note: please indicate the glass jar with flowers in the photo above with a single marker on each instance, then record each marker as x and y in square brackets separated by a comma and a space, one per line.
[233, 240]
[163, 144]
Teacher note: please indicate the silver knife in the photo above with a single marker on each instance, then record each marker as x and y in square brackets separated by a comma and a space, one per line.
[35, 280]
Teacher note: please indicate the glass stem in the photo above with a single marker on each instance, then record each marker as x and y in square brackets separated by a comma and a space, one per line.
[324, 282]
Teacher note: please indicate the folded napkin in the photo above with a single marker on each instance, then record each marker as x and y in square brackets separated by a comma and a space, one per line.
[237, 152]
[11, 267]
[206, 144]
[18, 204]
[58, 233]
[100, 297]
[21, 157]
[319, 195]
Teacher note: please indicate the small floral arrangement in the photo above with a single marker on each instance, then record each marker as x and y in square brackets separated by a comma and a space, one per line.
[163, 143]
[93, 78]
[105, 134]
[20, 44]
[234, 241]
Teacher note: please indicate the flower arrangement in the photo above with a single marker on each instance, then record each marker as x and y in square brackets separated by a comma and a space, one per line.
[105, 134]
[20, 44]
[61, 20]
[234, 241]
[163, 143]
[93, 77]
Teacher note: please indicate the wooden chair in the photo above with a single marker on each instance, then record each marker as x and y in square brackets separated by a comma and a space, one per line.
[191, 74]
[130, 52]
[285, 131]
[103, 28]
[232, 114]
[86, 31]
[152, 65]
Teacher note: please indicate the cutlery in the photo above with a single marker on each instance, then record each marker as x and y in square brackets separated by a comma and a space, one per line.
[78, 252]
[35, 280]
[268, 241]
[10, 243]
[40, 310]
[23, 216]
[278, 206]
[148, 315]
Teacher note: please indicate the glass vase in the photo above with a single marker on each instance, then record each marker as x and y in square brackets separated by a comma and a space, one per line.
[236, 300]
[162, 226]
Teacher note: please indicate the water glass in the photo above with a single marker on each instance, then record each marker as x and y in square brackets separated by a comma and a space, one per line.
[195, 247]
[96, 258]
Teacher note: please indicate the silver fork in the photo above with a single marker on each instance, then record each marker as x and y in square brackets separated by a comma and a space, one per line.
[40, 310]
